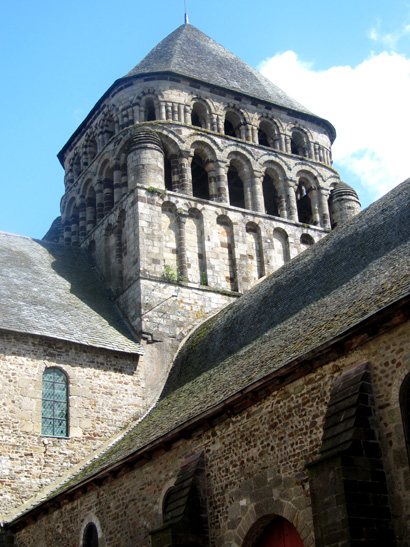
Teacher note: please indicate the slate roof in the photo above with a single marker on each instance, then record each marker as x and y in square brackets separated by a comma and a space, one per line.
[354, 272]
[189, 52]
[53, 290]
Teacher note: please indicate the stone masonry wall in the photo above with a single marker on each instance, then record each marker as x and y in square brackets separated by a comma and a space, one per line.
[255, 463]
[221, 261]
[106, 389]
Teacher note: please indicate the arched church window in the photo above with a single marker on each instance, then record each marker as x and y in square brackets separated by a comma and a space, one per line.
[270, 196]
[267, 135]
[405, 411]
[90, 537]
[168, 173]
[303, 203]
[299, 144]
[150, 115]
[199, 115]
[235, 187]
[232, 124]
[200, 186]
[54, 414]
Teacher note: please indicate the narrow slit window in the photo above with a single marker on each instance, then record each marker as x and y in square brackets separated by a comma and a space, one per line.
[54, 415]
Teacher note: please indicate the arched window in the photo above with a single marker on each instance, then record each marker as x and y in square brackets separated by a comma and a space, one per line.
[303, 202]
[267, 134]
[405, 411]
[299, 144]
[270, 196]
[235, 187]
[232, 124]
[90, 537]
[199, 115]
[54, 414]
[200, 186]
[306, 239]
[150, 115]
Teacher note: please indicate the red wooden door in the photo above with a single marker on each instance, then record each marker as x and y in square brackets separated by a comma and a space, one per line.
[280, 533]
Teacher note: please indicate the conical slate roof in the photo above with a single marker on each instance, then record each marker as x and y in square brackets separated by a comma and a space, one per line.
[189, 52]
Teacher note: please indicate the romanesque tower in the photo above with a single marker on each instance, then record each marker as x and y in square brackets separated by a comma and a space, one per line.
[191, 178]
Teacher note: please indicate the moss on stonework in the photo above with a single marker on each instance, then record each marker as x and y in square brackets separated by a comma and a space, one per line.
[159, 191]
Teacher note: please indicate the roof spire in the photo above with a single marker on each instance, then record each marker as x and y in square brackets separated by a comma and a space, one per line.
[186, 14]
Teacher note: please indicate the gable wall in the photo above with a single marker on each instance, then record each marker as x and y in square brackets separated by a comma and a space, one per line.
[255, 463]
[105, 389]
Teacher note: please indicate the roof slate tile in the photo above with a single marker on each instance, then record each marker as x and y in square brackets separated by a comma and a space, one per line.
[53, 290]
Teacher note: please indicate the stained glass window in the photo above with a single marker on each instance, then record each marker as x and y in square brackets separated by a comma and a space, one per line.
[54, 418]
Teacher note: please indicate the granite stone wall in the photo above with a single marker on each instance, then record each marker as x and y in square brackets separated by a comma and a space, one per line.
[106, 390]
[255, 463]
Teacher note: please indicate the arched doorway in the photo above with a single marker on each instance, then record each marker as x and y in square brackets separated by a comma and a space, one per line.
[279, 533]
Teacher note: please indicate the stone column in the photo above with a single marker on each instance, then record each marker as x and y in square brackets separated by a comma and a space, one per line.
[185, 179]
[324, 208]
[247, 190]
[67, 232]
[291, 203]
[187, 114]
[145, 159]
[74, 229]
[257, 191]
[282, 199]
[314, 204]
[162, 111]
[108, 189]
[210, 169]
[82, 219]
[181, 246]
[221, 182]
[288, 146]
[90, 214]
[99, 199]
[281, 142]
[175, 172]
[136, 114]
[181, 113]
[117, 183]
[124, 179]
[220, 123]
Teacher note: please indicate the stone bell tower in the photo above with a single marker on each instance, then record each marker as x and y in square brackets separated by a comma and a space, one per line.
[191, 178]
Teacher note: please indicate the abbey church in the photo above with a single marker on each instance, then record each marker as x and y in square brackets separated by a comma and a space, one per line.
[211, 344]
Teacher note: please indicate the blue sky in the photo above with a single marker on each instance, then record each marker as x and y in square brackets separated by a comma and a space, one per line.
[347, 61]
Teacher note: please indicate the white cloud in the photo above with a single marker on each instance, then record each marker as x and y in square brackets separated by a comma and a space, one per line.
[369, 106]
[389, 40]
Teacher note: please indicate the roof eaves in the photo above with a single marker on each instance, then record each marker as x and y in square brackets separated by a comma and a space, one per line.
[127, 348]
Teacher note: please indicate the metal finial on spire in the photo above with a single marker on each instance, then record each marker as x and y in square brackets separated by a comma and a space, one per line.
[186, 14]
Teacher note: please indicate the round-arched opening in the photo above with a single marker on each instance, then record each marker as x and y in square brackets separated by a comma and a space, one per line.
[235, 187]
[303, 203]
[270, 196]
[279, 533]
[298, 144]
[232, 124]
[200, 186]
[90, 537]
[150, 115]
